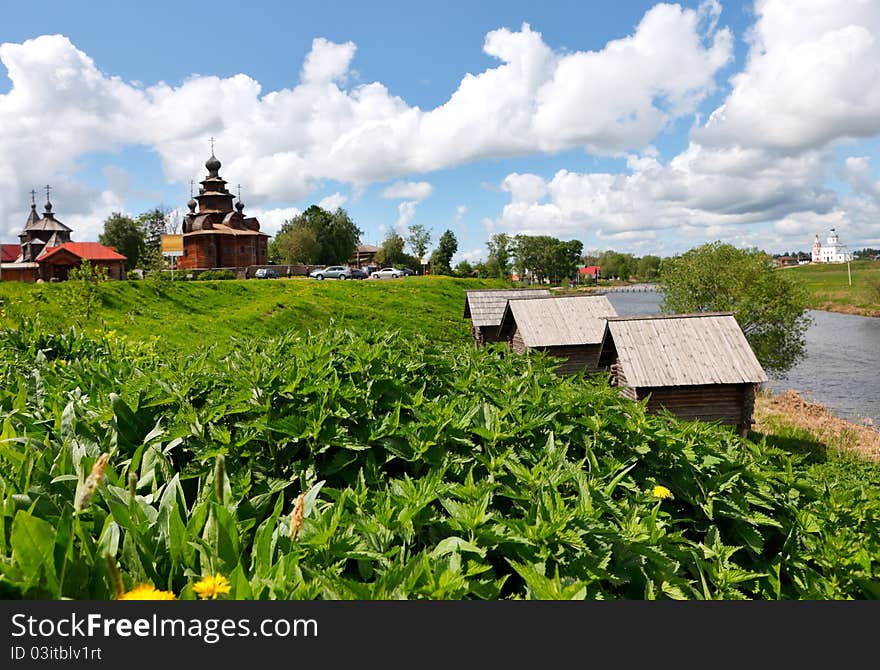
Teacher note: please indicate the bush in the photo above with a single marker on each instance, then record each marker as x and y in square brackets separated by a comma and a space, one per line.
[216, 274]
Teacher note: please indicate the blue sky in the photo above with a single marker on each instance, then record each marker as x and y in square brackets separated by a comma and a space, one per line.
[636, 126]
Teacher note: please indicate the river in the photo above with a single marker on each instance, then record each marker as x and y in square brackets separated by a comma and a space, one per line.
[840, 370]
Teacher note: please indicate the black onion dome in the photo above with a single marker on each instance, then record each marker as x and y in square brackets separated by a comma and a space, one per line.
[212, 164]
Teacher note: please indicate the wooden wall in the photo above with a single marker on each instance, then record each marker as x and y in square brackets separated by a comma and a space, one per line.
[223, 251]
[576, 358]
[732, 404]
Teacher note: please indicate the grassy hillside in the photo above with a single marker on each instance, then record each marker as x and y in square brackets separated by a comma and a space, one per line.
[188, 315]
[830, 290]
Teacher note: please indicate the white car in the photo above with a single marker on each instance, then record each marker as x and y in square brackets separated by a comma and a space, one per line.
[387, 272]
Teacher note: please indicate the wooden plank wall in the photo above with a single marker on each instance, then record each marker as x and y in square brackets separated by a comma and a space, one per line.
[576, 357]
[724, 402]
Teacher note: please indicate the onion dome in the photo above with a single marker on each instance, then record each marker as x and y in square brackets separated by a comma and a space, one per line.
[192, 204]
[239, 206]
[213, 165]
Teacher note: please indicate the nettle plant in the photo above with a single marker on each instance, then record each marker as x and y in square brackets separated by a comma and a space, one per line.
[351, 466]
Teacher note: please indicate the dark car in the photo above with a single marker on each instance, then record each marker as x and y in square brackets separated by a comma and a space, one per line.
[408, 272]
[266, 273]
[357, 273]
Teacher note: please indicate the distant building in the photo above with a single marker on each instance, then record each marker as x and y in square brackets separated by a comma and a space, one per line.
[218, 235]
[364, 256]
[57, 262]
[832, 251]
[46, 252]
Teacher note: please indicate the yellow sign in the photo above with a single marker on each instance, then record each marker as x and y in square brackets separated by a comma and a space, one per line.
[172, 245]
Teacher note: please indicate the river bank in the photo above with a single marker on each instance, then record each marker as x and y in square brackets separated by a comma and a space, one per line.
[786, 416]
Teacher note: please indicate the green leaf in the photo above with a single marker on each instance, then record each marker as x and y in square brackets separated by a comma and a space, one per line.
[33, 545]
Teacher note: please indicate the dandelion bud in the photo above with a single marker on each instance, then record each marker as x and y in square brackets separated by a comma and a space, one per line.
[93, 481]
[220, 476]
[296, 516]
[132, 485]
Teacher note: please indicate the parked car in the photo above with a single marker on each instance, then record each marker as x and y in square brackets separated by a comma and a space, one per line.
[357, 273]
[331, 272]
[266, 273]
[409, 272]
[393, 273]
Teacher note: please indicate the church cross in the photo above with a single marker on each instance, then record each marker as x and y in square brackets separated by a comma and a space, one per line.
[191, 187]
[239, 192]
[33, 197]
[212, 146]
[48, 188]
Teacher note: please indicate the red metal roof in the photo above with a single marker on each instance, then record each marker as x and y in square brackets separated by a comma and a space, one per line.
[91, 251]
[9, 252]
[590, 270]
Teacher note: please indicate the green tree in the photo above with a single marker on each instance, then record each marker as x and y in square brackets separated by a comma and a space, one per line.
[418, 238]
[295, 245]
[464, 269]
[499, 246]
[648, 267]
[126, 236]
[441, 259]
[391, 252]
[327, 238]
[615, 264]
[153, 223]
[769, 306]
[545, 257]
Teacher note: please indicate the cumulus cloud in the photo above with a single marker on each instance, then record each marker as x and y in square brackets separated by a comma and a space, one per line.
[810, 79]
[408, 190]
[765, 155]
[283, 144]
[332, 202]
[406, 211]
[460, 211]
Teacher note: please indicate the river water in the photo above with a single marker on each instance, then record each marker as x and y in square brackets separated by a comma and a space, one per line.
[841, 369]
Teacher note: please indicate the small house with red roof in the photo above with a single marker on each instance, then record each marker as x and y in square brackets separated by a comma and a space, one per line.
[56, 263]
[591, 270]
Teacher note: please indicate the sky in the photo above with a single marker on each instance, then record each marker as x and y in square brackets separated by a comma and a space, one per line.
[642, 127]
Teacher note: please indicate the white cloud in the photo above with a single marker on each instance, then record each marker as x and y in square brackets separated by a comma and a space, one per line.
[332, 202]
[408, 190]
[272, 219]
[810, 79]
[406, 211]
[460, 211]
[283, 144]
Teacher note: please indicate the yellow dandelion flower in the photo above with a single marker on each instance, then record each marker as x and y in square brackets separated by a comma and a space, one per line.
[147, 592]
[62, 362]
[211, 586]
[661, 492]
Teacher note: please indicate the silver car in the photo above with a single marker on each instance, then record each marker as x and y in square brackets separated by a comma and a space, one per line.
[392, 273]
[331, 272]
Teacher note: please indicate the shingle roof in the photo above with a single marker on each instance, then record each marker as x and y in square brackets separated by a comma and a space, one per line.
[91, 251]
[558, 321]
[682, 350]
[485, 307]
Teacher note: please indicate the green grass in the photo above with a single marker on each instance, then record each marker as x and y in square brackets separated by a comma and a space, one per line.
[189, 315]
[830, 289]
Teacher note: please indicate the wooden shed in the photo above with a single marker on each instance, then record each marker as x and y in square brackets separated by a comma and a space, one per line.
[570, 327]
[485, 307]
[698, 366]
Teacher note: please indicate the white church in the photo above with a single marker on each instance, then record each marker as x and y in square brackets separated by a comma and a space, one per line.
[832, 251]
